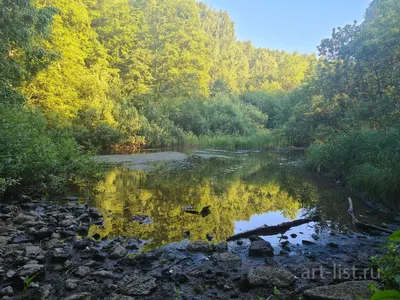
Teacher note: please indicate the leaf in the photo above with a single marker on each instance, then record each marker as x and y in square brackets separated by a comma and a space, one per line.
[386, 295]
[395, 237]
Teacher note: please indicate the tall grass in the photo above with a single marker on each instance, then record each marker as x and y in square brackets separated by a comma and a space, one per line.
[369, 160]
[258, 141]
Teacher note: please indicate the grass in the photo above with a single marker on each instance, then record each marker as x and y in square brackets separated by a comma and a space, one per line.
[257, 141]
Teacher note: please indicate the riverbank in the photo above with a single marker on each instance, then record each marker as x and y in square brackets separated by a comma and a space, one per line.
[45, 248]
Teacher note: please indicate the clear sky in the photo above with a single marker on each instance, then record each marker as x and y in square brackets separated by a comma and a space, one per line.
[290, 24]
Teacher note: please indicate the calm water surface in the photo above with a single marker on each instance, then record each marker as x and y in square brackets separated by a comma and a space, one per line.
[242, 190]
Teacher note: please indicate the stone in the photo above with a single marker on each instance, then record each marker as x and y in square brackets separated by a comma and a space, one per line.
[220, 247]
[268, 276]
[68, 233]
[83, 271]
[7, 291]
[118, 252]
[239, 242]
[4, 240]
[32, 251]
[308, 243]
[94, 213]
[261, 248]
[293, 235]
[351, 290]
[30, 270]
[45, 291]
[137, 285]
[43, 233]
[120, 297]
[71, 284]
[82, 243]
[332, 245]
[199, 246]
[60, 256]
[227, 259]
[104, 273]
[21, 239]
[82, 296]
[315, 237]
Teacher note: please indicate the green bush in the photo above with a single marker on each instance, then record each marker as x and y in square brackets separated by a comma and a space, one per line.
[369, 160]
[101, 137]
[36, 160]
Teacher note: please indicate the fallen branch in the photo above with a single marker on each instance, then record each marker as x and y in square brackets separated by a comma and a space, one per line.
[271, 230]
[363, 225]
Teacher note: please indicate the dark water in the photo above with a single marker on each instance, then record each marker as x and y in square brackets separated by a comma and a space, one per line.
[243, 191]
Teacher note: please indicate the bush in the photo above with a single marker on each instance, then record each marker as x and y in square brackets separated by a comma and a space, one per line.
[33, 159]
[101, 137]
[367, 159]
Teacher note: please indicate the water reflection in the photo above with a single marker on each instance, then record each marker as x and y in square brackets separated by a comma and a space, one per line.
[243, 192]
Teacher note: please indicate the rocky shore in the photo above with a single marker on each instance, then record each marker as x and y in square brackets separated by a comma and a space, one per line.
[46, 253]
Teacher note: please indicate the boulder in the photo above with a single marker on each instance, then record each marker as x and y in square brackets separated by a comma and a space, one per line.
[83, 271]
[30, 270]
[118, 252]
[137, 285]
[268, 276]
[261, 248]
[32, 251]
[227, 259]
[351, 290]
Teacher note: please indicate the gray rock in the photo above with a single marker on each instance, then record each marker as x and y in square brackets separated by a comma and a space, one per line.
[30, 270]
[315, 237]
[120, 297]
[308, 243]
[261, 248]
[118, 252]
[267, 276]
[227, 259]
[351, 290]
[4, 240]
[82, 296]
[71, 284]
[137, 285]
[32, 251]
[199, 246]
[83, 271]
[43, 233]
[332, 245]
[60, 256]
[45, 291]
[104, 273]
[21, 239]
[7, 291]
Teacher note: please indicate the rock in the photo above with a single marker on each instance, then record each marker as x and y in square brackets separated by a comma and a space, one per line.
[94, 213]
[82, 243]
[267, 276]
[293, 235]
[227, 259]
[351, 290]
[254, 238]
[21, 239]
[82, 296]
[51, 244]
[137, 285]
[4, 240]
[98, 255]
[120, 297]
[7, 291]
[332, 245]
[82, 230]
[71, 284]
[199, 246]
[315, 237]
[30, 270]
[220, 247]
[118, 252]
[209, 237]
[308, 243]
[239, 242]
[45, 291]
[83, 271]
[32, 251]
[60, 256]
[68, 233]
[261, 248]
[104, 273]
[142, 219]
[10, 274]
[43, 233]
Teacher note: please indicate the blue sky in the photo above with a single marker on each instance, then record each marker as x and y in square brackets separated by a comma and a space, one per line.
[290, 24]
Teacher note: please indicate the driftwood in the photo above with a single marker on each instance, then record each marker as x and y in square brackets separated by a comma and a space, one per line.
[271, 230]
[363, 225]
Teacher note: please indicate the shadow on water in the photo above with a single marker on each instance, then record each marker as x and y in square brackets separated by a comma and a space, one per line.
[243, 191]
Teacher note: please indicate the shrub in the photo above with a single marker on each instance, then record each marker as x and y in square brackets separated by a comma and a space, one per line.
[34, 159]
